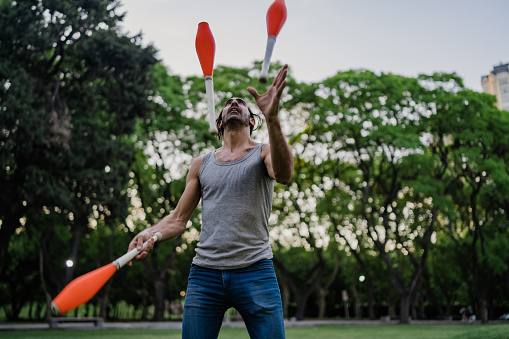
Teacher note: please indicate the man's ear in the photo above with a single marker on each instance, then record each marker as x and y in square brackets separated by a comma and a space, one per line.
[252, 122]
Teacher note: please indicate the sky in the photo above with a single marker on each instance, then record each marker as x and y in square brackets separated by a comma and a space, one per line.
[323, 37]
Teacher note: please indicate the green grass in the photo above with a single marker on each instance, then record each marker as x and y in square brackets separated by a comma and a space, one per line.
[462, 331]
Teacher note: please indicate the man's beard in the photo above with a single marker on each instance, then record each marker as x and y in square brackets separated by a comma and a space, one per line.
[235, 123]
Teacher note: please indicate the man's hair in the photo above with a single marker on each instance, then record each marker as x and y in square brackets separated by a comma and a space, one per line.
[258, 123]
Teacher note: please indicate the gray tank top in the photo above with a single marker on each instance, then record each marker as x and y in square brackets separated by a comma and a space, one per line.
[236, 205]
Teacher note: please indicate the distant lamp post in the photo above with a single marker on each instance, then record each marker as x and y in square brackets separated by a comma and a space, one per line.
[69, 263]
[361, 280]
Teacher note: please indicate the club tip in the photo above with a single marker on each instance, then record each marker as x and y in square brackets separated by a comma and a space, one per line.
[55, 309]
[213, 131]
[263, 79]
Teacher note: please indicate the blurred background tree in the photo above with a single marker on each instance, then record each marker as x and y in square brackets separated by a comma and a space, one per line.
[72, 91]
[399, 180]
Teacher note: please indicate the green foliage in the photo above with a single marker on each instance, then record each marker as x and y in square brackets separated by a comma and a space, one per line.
[401, 155]
[497, 256]
[25, 259]
[72, 89]
[97, 137]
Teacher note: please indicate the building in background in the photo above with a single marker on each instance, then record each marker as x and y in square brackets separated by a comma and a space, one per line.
[497, 83]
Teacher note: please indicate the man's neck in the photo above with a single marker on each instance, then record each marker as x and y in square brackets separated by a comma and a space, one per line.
[234, 140]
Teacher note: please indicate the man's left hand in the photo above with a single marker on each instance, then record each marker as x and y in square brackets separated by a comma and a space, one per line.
[269, 102]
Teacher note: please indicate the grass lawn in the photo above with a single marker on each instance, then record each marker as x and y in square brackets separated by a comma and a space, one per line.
[462, 331]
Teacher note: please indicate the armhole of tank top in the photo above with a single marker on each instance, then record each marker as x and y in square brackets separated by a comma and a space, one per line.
[204, 163]
[267, 176]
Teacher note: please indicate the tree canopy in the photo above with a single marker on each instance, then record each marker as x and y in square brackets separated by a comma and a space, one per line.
[400, 180]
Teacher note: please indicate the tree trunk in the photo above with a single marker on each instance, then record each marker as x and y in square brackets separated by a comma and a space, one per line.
[324, 290]
[430, 296]
[392, 306]
[38, 311]
[104, 300]
[356, 301]
[404, 312]
[322, 294]
[371, 300]
[159, 300]
[285, 296]
[483, 309]
[422, 310]
[30, 310]
[43, 284]
[144, 310]
[302, 300]
[413, 310]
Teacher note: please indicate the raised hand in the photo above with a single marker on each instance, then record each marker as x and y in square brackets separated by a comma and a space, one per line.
[269, 102]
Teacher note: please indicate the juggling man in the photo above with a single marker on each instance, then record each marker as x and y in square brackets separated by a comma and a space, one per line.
[232, 266]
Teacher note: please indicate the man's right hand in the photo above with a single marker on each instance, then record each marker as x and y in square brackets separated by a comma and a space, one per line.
[137, 243]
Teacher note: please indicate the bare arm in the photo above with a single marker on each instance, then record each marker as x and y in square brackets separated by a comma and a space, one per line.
[175, 223]
[278, 156]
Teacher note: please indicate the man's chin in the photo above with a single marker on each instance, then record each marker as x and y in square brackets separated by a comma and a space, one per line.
[235, 123]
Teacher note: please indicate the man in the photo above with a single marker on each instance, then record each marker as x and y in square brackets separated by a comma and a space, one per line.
[232, 266]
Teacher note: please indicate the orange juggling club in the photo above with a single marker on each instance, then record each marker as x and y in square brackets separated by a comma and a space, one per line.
[276, 17]
[82, 289]
[206, 48]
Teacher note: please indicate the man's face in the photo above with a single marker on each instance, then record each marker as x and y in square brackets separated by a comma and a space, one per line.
[235, 112]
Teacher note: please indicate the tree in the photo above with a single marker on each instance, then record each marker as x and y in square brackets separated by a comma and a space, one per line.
[472, 140]
[374, 123]
[71, 90]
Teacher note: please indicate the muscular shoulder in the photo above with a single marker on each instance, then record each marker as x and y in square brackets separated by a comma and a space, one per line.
[267, 160]
[265, 151]
[195, 166]
[198, 161]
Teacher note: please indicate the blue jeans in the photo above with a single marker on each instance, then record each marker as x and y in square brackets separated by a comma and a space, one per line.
[253, 291]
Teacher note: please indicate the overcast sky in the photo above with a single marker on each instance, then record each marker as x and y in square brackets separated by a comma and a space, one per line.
[322, 37]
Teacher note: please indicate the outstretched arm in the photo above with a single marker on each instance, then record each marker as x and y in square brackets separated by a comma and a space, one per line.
[175, 223]
[278, 156]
